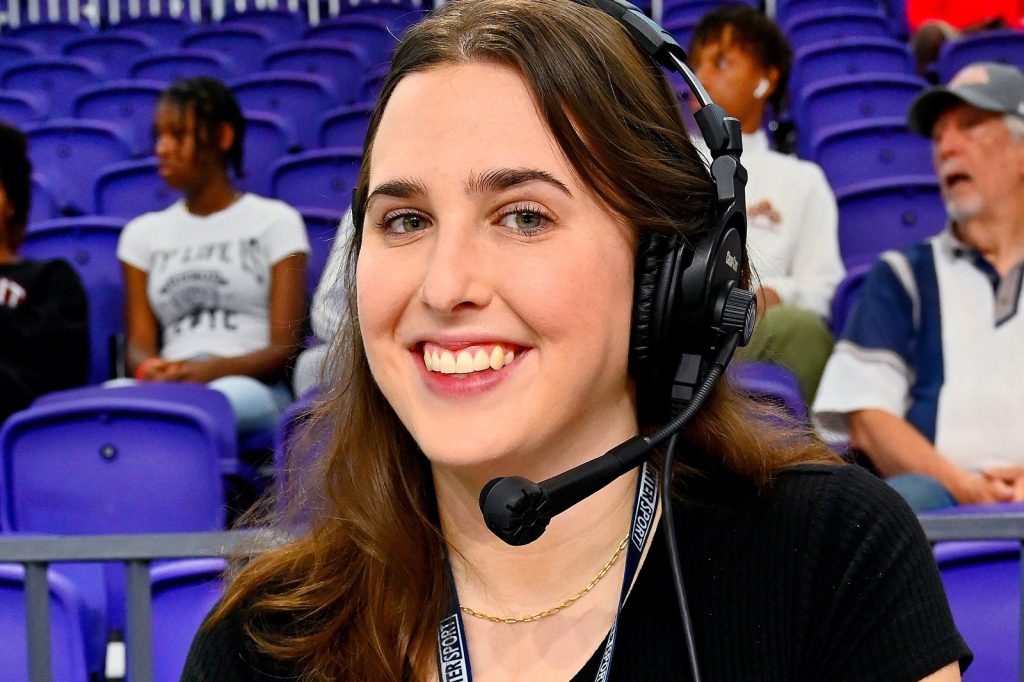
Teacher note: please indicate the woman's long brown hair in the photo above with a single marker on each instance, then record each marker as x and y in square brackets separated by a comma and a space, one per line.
[360, 593]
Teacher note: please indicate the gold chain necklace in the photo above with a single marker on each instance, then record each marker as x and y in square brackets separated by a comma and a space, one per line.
[511, 620]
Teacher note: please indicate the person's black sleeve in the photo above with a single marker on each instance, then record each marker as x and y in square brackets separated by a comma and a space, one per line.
[880, 608]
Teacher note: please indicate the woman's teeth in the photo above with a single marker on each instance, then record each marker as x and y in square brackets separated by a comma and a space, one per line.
[467, 362]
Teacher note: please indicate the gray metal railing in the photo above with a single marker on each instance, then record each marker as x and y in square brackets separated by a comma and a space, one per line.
[137, 552]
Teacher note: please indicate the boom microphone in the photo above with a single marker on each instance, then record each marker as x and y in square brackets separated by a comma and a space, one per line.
[518, 510]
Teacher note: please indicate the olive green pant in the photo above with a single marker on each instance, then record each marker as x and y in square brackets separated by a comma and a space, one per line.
[795, 338]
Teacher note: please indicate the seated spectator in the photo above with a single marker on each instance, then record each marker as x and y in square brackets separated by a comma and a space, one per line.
[44, 326]
[214, 283]
[327, 313]
[744, 61]
[927, 381]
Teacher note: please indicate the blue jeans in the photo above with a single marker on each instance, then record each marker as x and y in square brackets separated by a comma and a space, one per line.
[922, 493]
[256, 405]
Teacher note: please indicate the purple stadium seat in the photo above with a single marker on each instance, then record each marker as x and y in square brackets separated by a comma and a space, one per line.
[21, 108]
[173, 64]
[853, 98]
[282, 24]
[12, 49]
[321, 228]
[127, 103]
[369, 33]
[690, 11]
[245, 44]
[50, 35]
[770, 383]
[859, 151]
[67, 646]
[71, 153]
[268, 137]
[89, 244]
[373, 84]
[44, 201]
[397, 16]
[343, 63]
[837, 23]
[299, 98]
[787, 11]
[183, 593]
[165, 30]
[846, 296]
[848, 57]
[1003, 46]
[295, 447]
[345, 126]
[887, 214]
[982, 581]
[113, 49]
[58, 79]
[127, 190]
[323, 178]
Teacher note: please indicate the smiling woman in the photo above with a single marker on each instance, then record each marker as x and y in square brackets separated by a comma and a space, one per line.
[519, 154]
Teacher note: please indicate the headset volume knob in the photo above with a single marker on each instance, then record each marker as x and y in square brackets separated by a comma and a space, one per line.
[739, 313]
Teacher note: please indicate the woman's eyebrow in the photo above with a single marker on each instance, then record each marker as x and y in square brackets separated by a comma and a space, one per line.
[500, 179]
[399, 188]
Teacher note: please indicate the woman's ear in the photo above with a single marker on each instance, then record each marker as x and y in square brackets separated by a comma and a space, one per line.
[772, 76]
[225, 137]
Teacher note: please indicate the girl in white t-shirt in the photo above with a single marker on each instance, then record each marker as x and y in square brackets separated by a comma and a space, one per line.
[214, 283]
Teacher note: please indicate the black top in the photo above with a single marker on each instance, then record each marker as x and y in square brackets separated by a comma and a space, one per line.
[827, 576]
[44, 331]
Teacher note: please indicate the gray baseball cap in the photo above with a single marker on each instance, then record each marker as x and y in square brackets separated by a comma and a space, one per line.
[985, 85]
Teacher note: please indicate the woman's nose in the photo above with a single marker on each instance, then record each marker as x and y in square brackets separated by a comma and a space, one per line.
[457, 273]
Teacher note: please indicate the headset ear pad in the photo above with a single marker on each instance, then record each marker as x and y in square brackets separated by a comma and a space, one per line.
[655, 262]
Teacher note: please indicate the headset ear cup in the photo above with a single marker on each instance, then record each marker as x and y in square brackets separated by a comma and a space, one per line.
[648, 300]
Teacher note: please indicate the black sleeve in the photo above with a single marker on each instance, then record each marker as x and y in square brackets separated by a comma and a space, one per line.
[223, 652]
[880, 611]
[44, 343]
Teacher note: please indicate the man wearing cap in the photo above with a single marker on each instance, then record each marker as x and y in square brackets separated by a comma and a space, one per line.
[927, 380]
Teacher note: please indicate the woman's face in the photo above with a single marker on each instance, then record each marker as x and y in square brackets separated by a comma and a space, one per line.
[494, 291]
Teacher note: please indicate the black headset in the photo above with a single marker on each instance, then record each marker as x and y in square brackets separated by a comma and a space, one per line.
[689, 315]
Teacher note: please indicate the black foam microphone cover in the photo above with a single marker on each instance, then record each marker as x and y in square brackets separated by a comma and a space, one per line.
[515, 509]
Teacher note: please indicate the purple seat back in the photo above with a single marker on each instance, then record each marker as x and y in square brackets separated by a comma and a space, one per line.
[173, 64]
[12, 49]
[345, 126]
[127, 190]
[245, 44]
[113, 49]
[44, 200]
[343, 63]
[836, 24]
[296, 448]
[166, 31]
[1004, 46]
[21, 108]
[126, 466]
[280, 23]
[72, 153]
[89, 244]
[772, 383]
[849, 57]
[50, 35]
[787, 11]
[183, 594]
[130, 104]
[853, 98]
[370, 34]
[859, 151]
[887, 214]
[319, 179]
[299, 98]
[268, 137]
[58, 79]
[66, 627]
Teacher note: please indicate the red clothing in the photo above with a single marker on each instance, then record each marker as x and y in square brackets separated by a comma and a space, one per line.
[963, 13]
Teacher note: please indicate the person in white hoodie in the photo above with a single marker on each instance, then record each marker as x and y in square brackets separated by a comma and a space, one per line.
[743, 59]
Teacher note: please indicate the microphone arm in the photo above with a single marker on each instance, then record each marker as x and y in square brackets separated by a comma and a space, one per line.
[518, 510]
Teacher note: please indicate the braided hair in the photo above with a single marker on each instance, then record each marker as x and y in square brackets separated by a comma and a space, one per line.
[213, 105]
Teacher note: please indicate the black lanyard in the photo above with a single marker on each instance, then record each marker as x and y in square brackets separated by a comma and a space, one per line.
[452, 647]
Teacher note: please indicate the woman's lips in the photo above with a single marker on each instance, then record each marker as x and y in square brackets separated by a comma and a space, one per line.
[460, 372]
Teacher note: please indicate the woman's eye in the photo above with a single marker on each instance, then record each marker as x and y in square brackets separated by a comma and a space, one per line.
[525, 221]
[404, 224]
